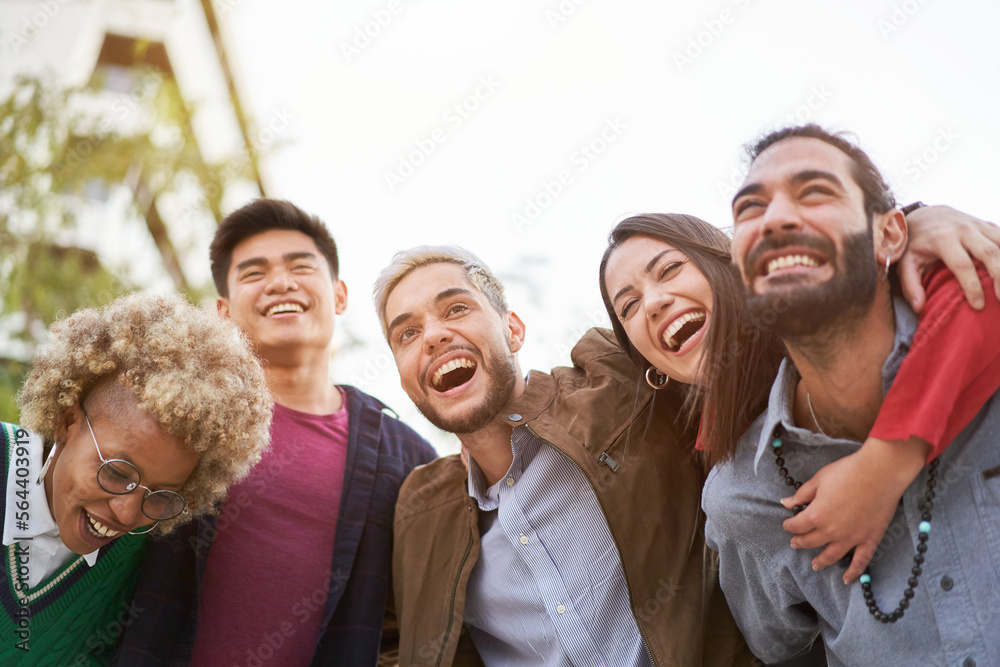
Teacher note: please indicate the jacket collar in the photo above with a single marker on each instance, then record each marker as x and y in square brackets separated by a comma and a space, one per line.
[538, 394]
[584, 410]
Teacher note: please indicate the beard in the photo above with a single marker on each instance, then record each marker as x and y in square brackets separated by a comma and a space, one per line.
[792, 311]
[501, 376]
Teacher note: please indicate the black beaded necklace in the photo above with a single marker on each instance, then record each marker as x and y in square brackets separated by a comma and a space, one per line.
[926, 505]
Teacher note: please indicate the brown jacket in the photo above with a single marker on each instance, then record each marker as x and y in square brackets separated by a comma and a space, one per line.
[648, 482]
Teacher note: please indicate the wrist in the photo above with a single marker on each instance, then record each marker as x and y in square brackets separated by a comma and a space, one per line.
[899, 461]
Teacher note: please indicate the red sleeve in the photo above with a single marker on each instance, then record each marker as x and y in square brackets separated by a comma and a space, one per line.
[951, 370]
[699, 444]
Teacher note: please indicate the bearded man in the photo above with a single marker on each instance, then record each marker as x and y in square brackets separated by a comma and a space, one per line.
[816, 232]
[537, 554]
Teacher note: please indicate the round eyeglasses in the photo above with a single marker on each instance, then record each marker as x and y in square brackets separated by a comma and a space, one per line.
[119, 477]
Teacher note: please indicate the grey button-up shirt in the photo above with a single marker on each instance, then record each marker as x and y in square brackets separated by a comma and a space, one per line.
[781, 604]
[548, 587]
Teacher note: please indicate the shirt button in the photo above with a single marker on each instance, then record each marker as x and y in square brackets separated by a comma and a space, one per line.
[947, 583]
[514, 417]
[561, 609]
[969, 662]
[524, 539]
[510, 481]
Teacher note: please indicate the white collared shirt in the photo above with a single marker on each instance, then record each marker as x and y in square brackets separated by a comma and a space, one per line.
[38, 533]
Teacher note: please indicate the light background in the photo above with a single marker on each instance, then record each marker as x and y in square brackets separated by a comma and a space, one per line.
[675, 87]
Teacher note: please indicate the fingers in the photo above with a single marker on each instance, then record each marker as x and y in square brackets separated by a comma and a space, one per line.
[802, 522]
[799, 524]
[804, 495]
[957, 259]
[909, 279]
[863, 555]
[985, 249]
[813, 539]
[831, 555]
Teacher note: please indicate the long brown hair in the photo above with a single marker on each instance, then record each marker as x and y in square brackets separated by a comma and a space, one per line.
[741, 359]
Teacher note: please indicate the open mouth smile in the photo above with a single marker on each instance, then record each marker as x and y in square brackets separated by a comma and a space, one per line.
[682, 329]
[98, 529]
[453, 374]
[285, 307]
[789, 261]
[791, 258]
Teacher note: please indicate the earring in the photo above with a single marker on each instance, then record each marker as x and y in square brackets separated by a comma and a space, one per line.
[885, 276]
[658, 380]
[45, 466]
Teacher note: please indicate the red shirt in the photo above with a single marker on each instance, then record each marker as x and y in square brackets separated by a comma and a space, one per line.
[952, 369]
[267, 578]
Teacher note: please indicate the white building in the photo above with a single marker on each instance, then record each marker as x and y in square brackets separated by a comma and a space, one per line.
[128, 48]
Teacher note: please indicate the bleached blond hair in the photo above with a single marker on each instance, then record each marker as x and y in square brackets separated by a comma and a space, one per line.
[406, 261]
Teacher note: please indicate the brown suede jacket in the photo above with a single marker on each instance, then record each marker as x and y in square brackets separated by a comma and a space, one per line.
[648, 481]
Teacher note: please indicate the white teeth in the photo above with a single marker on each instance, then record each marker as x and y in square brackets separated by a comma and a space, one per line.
[284, 308]
[790, 260]
[99, 529]
[675, 326]
[450, 366]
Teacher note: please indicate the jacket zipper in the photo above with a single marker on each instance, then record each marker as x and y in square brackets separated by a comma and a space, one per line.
[451, 608]
[603, 459]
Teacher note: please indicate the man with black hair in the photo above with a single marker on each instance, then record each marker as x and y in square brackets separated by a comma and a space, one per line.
[297, 567]
[816, 231]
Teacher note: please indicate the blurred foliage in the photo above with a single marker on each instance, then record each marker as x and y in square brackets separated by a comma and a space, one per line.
[60, 149]
[12, 373]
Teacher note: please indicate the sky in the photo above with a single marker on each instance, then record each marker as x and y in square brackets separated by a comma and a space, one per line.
[524, 130]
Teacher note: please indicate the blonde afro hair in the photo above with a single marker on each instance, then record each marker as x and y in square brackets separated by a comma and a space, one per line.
[191, 370]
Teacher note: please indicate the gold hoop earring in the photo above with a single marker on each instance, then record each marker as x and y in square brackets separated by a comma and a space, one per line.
[658, 380]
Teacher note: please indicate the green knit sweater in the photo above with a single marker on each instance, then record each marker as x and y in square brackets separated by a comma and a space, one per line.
[76, 615]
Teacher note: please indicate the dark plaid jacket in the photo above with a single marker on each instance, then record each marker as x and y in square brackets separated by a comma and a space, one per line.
[381, 451]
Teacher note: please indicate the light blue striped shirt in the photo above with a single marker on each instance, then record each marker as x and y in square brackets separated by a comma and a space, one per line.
[548, 588]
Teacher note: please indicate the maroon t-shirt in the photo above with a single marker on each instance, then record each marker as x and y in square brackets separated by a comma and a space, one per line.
[268, 572]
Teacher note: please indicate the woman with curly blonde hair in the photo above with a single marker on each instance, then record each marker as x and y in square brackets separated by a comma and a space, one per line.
[135, 418]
